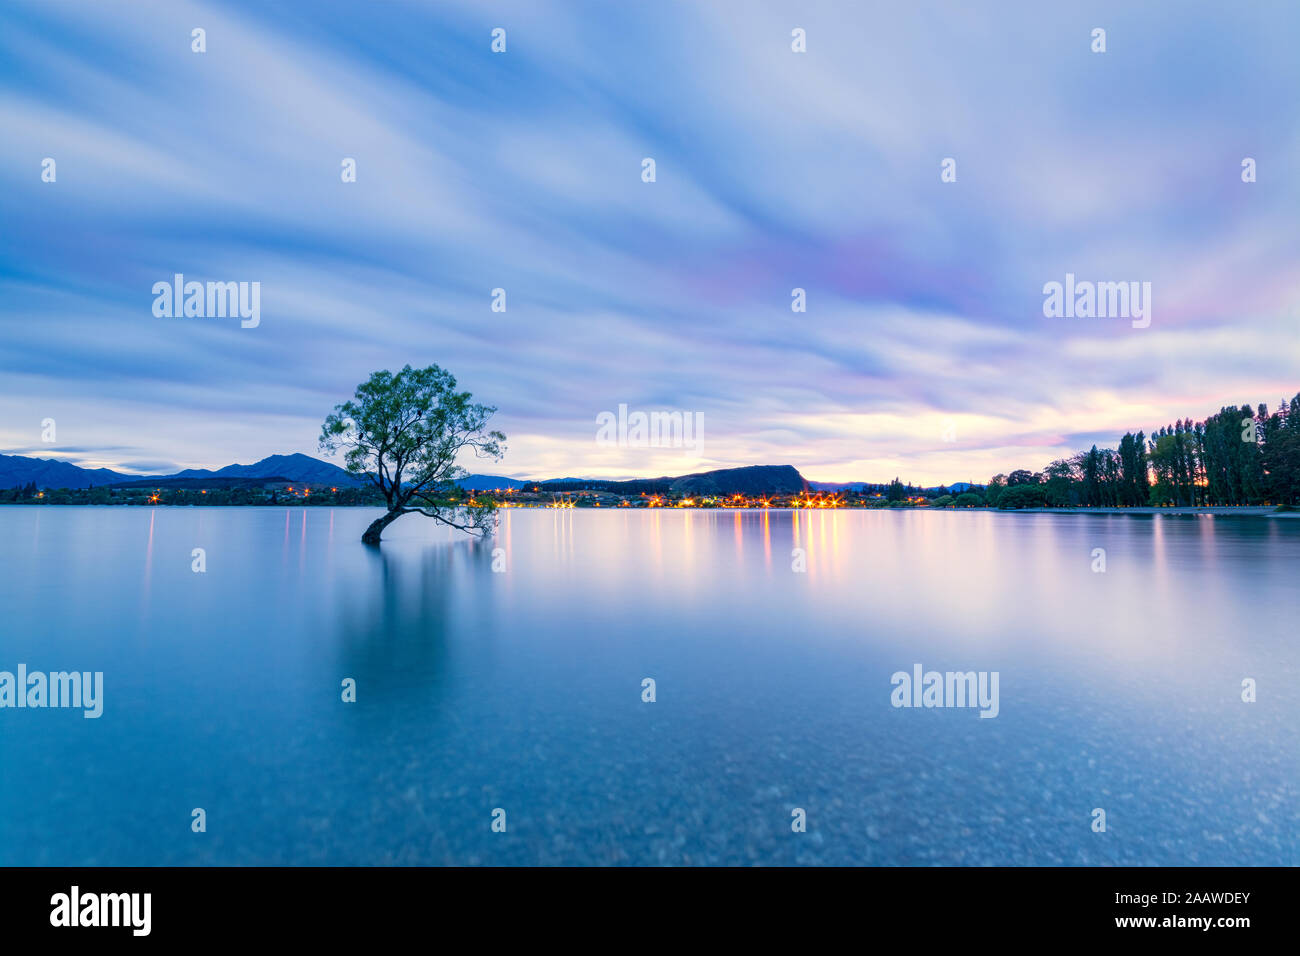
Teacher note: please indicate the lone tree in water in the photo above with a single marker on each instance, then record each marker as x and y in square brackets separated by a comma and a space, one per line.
[403, 433]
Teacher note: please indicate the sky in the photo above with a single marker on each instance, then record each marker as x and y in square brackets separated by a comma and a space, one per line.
[924, 351]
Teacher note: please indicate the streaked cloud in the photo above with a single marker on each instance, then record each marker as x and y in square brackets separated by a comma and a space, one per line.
[521, 171]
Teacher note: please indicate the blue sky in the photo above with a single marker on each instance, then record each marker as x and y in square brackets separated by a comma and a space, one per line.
[521, 171]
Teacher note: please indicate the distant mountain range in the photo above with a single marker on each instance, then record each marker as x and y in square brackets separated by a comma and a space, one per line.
[302, 468]
[17, 471]
[491, 483]
[957, 486]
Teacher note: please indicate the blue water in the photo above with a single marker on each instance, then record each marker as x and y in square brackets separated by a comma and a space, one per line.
[522, 689]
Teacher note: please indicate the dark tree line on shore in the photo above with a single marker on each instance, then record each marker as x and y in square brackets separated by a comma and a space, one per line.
[1238, 456]
[167, 495]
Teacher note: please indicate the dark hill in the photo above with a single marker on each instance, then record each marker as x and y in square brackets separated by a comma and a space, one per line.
[749, 480]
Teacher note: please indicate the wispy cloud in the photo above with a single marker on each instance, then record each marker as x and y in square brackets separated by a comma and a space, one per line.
[522, 171]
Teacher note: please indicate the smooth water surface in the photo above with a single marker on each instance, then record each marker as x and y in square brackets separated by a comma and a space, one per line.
[521, 689]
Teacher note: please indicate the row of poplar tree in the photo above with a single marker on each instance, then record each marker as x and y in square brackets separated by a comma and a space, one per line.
[1239, 456]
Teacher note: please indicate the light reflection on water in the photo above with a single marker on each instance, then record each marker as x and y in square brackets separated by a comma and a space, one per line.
[521, 689]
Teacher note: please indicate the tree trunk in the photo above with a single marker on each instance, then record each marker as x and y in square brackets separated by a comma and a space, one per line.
[378, 525]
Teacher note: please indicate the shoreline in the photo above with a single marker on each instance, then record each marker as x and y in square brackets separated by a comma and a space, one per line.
[1244, 511]
[1227, 511]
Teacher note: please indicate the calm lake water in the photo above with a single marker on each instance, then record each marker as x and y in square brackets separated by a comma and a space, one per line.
[522, 689]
